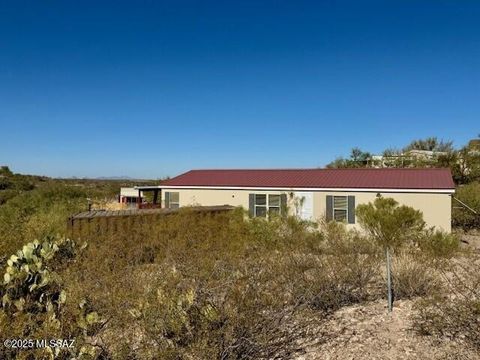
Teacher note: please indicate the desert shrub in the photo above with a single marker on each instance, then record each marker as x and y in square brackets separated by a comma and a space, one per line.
[36, 214]
[34, 207]
[417, 266]
[455, 314]
[391, 225]
[5, 183]
[462, 217]
[457, 320]
[284, 233]
[6, 195]
[239, 316]
[9, 180]
[345, 270]
[194, 286]
[211, 287]
[336, 281]
[339, 240]
[412, 277]
[438, 244]
[22, 183]
[217, 286]
[5, 171]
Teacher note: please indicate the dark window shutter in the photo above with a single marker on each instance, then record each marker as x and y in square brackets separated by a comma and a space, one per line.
[251, 205]
[167, 200]
[351, 209]
[283, 204]
[329, 208]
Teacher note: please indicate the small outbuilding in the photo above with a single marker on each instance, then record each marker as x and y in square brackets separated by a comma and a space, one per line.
[130, 196]
[312, 194]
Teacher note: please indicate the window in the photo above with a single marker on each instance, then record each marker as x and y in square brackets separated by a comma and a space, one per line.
[174, 201]
[261, 205]
[267, 204]
[274, 204]
[340, 208]
[130, 199]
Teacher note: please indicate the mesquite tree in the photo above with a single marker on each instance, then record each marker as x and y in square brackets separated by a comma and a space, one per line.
[390, 225]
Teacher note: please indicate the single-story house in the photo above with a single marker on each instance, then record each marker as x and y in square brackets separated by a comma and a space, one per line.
[130, 196]
[313, 194]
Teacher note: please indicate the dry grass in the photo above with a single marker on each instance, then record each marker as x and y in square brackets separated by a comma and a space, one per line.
[454, 314]
[412, 278]
[197, 286]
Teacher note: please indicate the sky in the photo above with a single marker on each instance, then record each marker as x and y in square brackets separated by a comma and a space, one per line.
[149, 89]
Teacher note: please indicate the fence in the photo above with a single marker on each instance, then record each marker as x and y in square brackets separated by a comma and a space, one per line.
[110, 221]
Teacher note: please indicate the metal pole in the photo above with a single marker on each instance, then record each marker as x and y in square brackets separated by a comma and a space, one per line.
[465, 205]
[389, 281]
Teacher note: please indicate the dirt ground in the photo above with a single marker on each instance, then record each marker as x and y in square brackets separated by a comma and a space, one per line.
[471, 240]
[368, 331]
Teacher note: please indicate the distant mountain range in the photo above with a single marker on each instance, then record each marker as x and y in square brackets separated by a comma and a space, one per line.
[112, 178]
[126, 178]
[115, 178]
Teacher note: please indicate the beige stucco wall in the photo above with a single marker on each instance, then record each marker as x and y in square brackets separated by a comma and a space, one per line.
[210, 197]
[436, 207]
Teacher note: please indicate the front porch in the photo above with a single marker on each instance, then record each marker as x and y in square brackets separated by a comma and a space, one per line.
[151, 197]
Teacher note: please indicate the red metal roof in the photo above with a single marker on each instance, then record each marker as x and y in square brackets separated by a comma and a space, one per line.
[318, 178]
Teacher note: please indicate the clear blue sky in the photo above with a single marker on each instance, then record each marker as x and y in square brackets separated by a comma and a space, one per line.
[153, 88]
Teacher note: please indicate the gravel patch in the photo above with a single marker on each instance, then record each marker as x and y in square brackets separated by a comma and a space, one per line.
[367, 331]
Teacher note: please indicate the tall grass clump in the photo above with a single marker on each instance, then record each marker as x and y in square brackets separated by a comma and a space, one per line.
[412, 277]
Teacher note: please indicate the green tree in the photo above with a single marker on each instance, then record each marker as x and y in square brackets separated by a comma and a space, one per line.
[5, 171]
[391, 152]
[358, 158]
[390, 225]
[338, 163]
[469, 163]
[430, 144]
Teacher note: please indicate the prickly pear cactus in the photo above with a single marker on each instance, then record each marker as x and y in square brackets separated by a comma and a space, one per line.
[176, 310]
[29, 283]
[30, 290]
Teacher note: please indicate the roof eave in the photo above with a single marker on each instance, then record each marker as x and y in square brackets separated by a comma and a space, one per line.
[296, 188]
